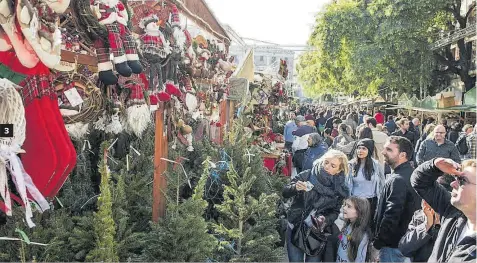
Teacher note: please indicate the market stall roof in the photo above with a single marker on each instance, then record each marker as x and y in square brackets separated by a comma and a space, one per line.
[458, 108]
[469, 97]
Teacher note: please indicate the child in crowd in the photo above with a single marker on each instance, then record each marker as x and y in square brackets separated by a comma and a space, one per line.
[354, 238]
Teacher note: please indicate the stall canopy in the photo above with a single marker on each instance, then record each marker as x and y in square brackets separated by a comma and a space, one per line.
[469, 98]
[242, 76]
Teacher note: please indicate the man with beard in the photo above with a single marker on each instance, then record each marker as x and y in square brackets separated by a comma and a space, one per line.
[456, 240]
[398, 201]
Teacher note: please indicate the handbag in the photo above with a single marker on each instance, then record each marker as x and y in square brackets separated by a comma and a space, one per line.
[309, 239]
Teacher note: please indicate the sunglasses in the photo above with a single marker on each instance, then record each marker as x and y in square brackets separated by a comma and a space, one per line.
[462, 180]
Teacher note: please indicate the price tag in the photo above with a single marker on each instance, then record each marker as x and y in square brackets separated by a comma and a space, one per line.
[73, 97]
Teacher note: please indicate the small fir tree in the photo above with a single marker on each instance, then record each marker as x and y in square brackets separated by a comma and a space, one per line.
[104, 225]
[183, 234]
[248, 220]
[248, 224]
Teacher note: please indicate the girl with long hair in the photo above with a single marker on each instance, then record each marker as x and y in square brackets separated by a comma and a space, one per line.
[354, 238]
[366, 177]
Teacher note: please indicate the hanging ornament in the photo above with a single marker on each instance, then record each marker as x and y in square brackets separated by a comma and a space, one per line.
[138, 114]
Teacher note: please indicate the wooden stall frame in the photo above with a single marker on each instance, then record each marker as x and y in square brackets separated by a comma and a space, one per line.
[160, 151]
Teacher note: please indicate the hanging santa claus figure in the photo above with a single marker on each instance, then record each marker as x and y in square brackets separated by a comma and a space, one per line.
[114, 16]
[155, 49]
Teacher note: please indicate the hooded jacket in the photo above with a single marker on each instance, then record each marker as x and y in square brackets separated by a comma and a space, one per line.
[453, 221]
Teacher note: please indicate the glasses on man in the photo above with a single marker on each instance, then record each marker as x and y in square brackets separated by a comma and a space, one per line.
[462, 180]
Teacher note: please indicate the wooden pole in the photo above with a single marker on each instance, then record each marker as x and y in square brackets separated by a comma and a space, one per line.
[160, 167]
[223, 120]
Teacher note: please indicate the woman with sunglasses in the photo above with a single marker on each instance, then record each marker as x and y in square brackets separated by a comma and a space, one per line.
[456, 240]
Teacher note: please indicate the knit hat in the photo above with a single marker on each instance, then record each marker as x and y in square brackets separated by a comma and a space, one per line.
[309, 117]
[368, 143]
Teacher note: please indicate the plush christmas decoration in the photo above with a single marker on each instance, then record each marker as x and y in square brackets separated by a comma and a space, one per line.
[115, 125]
[122, 46]
[46, 135]
[163, 96]
[13, 112]
[77, 130]
[138, 114]
[43, 116]
[185, 134]
[154, 48]
[191, 102]
[5, 43]
[26, 55]
[178, 33]
[173, 89]
[37, 20]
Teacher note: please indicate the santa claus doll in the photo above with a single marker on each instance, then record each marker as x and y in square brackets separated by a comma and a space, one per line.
[154, 48]
[114, 16]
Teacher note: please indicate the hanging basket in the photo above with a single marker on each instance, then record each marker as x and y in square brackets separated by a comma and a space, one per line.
[93, 102]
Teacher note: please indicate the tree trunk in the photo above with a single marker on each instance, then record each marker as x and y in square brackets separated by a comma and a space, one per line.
[239, 241]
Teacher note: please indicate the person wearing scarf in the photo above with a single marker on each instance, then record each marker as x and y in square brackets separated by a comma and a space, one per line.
[322, 189]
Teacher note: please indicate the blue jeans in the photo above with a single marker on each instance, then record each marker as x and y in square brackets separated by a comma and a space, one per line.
[295, 254]
[389, 254]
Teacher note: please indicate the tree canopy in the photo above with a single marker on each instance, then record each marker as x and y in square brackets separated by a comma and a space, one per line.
[361, 47]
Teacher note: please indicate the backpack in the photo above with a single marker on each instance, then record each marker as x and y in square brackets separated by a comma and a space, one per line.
[461, 145]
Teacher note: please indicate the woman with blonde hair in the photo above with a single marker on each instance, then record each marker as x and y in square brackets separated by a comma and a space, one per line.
[318, 194]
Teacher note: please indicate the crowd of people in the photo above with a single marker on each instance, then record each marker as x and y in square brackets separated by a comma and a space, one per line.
[404, 189]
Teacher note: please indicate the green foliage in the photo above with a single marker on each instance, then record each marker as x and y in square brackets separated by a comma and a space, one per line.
[104, 225]
[183, 234]
[363, 47]
[247, 223]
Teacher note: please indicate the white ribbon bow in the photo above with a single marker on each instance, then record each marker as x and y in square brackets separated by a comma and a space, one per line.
[23, 182]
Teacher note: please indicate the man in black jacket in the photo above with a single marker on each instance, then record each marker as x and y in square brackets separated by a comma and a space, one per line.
[456, 239]
[398, 201]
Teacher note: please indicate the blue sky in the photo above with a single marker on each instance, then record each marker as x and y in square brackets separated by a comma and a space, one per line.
[283, 22]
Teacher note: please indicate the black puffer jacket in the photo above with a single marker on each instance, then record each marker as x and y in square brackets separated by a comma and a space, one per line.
[446, 248]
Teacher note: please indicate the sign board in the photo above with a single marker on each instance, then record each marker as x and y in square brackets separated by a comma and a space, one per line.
[238, 89]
